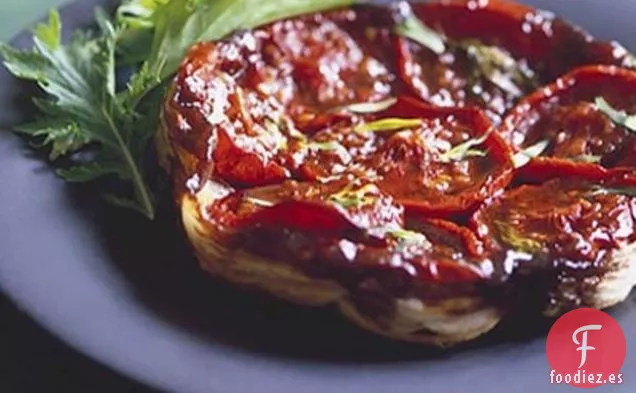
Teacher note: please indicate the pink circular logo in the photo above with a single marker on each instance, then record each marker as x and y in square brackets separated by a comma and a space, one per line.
[586, 348]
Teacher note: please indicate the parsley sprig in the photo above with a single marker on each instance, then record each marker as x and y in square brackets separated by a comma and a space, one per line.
[82, 106]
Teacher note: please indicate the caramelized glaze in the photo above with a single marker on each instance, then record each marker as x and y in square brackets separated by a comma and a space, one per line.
[264, 114]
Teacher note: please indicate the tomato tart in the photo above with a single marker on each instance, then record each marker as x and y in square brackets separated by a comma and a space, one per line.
[415, 165]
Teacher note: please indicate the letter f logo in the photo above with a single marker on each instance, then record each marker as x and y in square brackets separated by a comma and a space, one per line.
[584, 347]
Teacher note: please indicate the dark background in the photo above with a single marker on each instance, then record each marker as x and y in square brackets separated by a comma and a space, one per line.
[31, 360]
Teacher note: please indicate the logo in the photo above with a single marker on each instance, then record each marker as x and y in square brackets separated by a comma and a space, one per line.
[586, 348]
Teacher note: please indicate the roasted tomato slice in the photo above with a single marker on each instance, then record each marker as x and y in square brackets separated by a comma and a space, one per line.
[229, 98]
[495, 53]
[441, 162]
[346, 230]
[571, 223]
[550, 45]
[437, 251]
[444, 167]
[335, 208]
[580, 118]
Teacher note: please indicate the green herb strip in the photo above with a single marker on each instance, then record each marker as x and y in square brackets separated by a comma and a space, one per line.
[588, 158]
[512, 238]
[410, 26]
[259, 202]
[367, 107]
[388, 124]
[332, 146]
[350, 197]
[619, 117]
[626, 191]
[499, 67]
[466, 149]
[523, 157]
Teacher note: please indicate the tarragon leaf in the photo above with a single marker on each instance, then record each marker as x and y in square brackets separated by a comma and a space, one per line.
[285, 128]
[404, 238]
[619, 117]
[523, 157]
[332, 146]
[627, 191]
[388, 124]
[410, 26]
[518, 242]
[352, 197]
[260, 202]
[465, 150]
[368, 107]
[408, 238]
[499, 67]
[588, 158]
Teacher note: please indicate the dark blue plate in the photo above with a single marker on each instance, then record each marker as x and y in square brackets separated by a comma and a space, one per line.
[129, 294]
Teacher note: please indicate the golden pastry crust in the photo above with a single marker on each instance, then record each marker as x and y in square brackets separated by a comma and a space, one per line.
[442, 323]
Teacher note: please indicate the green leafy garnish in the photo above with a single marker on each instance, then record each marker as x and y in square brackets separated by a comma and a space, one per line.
[465, 150]
[499, 67]
[629, 60]
[273, 132]
[259, 202]
[180, 23]
[627, 191]
[410, 26]
[406, 239]
[491, 62]
[518, 242]
[352, 197]
[619, 117]
[84, 109]
[333, 146]
[588, 158]
[136, 19]
[388, 124]
[285, 127]
[523, 157]
[368, 107]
